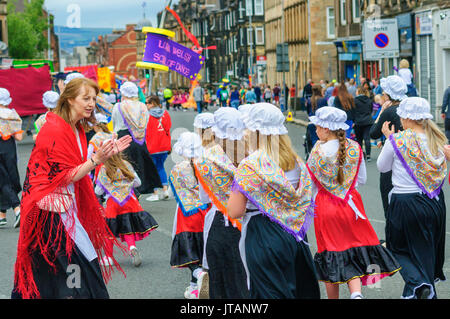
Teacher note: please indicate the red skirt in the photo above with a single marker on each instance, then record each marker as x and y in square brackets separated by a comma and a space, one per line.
[348, 247]
[187, 244]
[129, 219]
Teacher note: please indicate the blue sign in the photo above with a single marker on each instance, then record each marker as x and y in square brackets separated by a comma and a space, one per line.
[381, 40]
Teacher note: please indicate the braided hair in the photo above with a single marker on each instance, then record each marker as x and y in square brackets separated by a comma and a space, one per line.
[341, 155]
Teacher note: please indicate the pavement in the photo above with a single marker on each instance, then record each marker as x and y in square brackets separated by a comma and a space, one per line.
[156, 279]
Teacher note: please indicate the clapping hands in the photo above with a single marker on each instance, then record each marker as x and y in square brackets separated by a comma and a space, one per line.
[111, 147]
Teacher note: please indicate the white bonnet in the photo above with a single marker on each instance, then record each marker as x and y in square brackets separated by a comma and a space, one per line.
[228, 124]
[330, 117]
[188, 145]
[204, 120]
[72, 76]
[129, 89]
[5, 98]
[265, 118]
[245, 108]
[414, 108]
[101, 118]
[395, 87]
[50, 99]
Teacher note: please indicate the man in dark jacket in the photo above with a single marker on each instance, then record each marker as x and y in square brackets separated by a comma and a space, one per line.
[363, 120]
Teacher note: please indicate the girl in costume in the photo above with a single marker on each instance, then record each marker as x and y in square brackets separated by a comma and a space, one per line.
[62, 221]
[49, 99]
[215, 173]
[10, 132]
[187, 236]
[347, 245]
[272, 190]
[102, 133]
[415, 225]
[130, 117]
[124, 214]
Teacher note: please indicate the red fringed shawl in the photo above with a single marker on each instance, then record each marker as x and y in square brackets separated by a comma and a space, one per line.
[55, 159]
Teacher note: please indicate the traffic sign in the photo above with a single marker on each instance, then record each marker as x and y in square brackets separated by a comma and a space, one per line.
[380, 39]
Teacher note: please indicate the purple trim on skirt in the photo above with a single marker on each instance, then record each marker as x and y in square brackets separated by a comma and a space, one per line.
[431, 195]
[298, 235]
[129, 128]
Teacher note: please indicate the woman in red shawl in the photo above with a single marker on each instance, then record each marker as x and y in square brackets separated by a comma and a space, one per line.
[63, 232]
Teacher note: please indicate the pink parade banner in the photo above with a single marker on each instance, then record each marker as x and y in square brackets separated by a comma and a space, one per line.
[160, 50]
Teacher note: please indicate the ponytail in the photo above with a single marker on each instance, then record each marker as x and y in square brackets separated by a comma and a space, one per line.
[191, 161]
[341, 155]
[436, 139]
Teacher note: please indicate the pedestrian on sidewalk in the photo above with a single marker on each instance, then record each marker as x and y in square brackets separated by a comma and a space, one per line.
[62, 221]
[50, 100]
[159, 142]
[394, 91]
[130, 117]
[363, 120]
[337, 168]
[416, 217]
[124, 214]
[10, 132]
[273, 244]
[198, 94]
[187, 235]
[215, 173]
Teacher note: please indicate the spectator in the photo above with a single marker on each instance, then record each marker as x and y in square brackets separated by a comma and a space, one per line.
[346, 102]
[276, 94]
[316, 101]
[224, 96]
[376, 87]
[363, 119]
[158, 141]
[307, 89]
[446, 111]
[268, 94]
[405, 73]
[257, 91]
[250, 96]
[167, 93]
[198, 94]
[352, 87]
[234, 98]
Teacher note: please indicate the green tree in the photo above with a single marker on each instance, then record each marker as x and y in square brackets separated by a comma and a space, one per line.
[26, 37]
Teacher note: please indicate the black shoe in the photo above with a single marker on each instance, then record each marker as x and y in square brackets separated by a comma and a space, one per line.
[423, 292]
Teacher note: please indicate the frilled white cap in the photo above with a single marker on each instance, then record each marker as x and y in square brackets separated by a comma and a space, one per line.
[129, 89]
[72, 76]
[5, 98]
[204, 120]
[228, 124]
[245, 108]
[265, 118]
[101, 118]
[188, 145]
[111, 98]
[331, 118]
[50, 99]
[395, 87]
[414, 108]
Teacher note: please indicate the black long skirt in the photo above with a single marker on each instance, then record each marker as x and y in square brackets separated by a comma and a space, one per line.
[227, 277]
[10, 185]
[279, 266]
[74, 279]
[142, 162]
[415, 234]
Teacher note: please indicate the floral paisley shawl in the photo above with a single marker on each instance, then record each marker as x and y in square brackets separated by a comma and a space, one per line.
[266, 186]
[135, 117]
[185, 189]
[324, 169]
[10, 123]
[40, 122]
[120, 189]
[98, 138]
[215, 172]
[426, 171]
[104, 106]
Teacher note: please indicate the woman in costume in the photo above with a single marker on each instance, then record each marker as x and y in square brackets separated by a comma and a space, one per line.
[10, 132]
[62, 221]
[415, 225]
[125, 216]
[50, 100]
[272, 190]
[187, 236]
[130, 117]
[215, 173]
[347, 246]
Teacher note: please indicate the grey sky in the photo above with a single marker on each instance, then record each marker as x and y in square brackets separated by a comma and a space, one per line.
[103, 13]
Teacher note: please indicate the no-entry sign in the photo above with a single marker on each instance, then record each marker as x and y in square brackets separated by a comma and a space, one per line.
[380, 39]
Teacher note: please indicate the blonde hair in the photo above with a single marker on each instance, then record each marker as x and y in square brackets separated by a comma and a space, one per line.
[404, 64]
[71, 91]
[117, 163]
[436, 139]
[277, 147]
